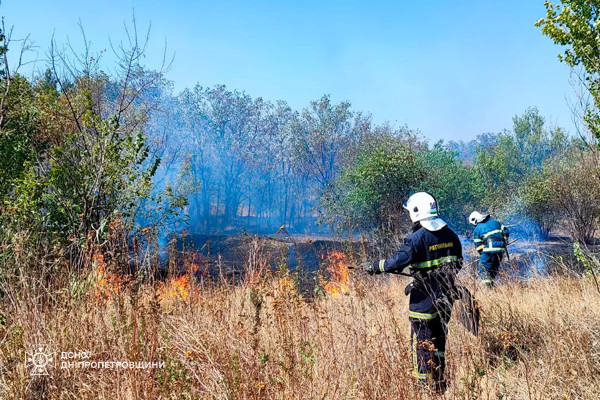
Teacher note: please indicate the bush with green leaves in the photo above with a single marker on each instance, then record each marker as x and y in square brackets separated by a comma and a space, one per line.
[575, 184]
[506, 167]
[370, 193]
[452, 182]
[18, 130]
[538, 202]
[76, 159]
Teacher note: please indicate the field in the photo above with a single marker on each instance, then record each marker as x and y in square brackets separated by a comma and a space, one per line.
[262, 338]
[166, 234]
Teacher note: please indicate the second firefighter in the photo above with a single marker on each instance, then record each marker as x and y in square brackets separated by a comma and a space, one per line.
[490, 238]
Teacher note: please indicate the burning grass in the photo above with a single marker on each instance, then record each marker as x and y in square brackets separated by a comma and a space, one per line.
[336, 263]
[107, 282]
[180, 287]
[261, 339]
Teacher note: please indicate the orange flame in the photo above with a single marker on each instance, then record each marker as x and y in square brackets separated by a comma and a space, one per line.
[339, 273]
[108, 283]
[179, 288]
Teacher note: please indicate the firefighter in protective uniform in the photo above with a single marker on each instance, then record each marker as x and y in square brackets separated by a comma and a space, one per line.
[490, 237]
[433, 254]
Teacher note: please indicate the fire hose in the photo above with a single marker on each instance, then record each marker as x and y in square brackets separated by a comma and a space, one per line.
[467, 307]
[391, 272]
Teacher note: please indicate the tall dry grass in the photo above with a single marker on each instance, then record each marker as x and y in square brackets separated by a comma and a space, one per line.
[261, 339]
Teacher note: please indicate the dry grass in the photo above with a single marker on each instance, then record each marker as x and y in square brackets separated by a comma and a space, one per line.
[260, 339]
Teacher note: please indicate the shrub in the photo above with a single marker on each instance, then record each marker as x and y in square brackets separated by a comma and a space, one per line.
[575, 183]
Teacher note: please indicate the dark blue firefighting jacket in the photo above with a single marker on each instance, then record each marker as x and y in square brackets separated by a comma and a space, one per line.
[490, 236]
[425, 253]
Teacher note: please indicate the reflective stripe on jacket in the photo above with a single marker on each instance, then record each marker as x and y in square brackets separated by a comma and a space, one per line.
[424, 250]
[433, 257]
[490, 236]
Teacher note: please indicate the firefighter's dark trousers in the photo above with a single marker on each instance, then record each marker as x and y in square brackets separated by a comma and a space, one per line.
[428, 333]
[488, 267]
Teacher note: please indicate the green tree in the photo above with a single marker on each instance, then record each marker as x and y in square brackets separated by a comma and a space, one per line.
[370, 192]
[503, 168]
[321, 131]
[576, 188]
[452, 182]
[576, 24]
[74, 150]
[19, 133]
[539, 202]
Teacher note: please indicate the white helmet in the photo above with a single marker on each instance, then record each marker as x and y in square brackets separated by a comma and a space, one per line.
[422, 207]
[476, 217]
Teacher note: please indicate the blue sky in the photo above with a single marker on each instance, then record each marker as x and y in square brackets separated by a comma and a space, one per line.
[452, 70]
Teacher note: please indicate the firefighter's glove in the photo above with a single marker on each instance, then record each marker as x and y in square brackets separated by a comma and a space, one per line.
[367, 267]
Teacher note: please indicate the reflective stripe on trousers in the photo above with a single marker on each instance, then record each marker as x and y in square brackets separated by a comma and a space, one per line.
[418, 315]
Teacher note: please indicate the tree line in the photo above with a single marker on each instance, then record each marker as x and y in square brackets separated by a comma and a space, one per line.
[83, 151]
